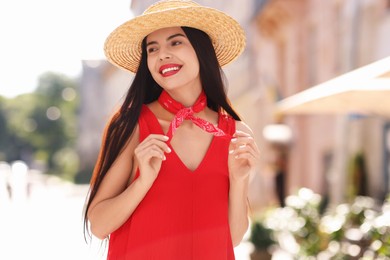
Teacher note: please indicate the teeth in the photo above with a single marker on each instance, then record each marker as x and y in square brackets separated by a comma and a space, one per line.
[169, 69]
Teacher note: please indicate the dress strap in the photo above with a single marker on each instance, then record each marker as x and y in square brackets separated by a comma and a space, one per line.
[227, 124]
[148, 123]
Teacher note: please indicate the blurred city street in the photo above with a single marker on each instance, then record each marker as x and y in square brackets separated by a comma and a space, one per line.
[48, 224]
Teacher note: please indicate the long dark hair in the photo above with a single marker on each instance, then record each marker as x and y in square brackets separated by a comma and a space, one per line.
[144, 90]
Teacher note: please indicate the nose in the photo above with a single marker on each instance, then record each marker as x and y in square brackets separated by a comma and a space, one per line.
[164, 54]
[163, 57]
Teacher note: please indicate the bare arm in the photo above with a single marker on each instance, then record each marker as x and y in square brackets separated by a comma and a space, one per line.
[243, 159]
[115, 201]
[238, 209]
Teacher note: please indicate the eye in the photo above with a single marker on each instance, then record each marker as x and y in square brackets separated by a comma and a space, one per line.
[152, 49]
[175, 43]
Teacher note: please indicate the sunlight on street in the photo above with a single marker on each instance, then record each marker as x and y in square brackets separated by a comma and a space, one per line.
[47, 224]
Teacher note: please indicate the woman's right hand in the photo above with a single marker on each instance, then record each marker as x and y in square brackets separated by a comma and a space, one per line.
[149, 155]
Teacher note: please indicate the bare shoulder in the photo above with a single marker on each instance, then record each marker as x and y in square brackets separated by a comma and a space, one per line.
[243, 127]
[120, 172]
[134, 139]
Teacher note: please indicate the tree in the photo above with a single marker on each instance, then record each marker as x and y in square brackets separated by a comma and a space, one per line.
[42, 125]
[4, 133]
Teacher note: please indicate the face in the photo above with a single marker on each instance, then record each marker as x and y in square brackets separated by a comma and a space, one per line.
[172, 60]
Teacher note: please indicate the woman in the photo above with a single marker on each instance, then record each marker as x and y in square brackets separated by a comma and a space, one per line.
[172, 176]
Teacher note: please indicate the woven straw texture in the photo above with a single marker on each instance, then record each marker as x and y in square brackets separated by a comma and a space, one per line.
[123, 45]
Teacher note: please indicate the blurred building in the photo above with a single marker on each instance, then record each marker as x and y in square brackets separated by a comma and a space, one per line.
[292, 45]
[102, 87]
[300, 44]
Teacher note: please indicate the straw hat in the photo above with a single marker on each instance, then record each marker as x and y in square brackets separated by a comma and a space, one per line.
[123, 45]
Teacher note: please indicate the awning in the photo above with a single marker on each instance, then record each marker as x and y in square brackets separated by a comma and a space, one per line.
[365, 91]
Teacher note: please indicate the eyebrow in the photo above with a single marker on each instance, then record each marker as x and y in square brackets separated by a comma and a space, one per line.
[169, 38]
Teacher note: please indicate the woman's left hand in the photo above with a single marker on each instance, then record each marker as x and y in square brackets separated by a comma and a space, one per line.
[244, 155]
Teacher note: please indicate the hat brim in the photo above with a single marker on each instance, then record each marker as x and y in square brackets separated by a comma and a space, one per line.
[123, 45]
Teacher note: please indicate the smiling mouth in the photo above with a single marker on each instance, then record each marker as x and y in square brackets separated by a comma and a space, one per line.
[168, 71]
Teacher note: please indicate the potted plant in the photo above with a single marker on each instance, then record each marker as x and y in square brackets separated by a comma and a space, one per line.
[261, 238]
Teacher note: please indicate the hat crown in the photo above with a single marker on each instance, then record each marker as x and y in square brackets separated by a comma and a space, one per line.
[170, 4]
[123, 47]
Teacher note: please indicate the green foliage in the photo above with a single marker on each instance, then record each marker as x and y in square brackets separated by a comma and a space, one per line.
[4, 133]
[356, 230]
[41, 126]
[261, 236]
[356, 177]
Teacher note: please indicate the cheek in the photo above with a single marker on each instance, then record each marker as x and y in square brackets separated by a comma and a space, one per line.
[196, 67]
[152, 66]
[195, 62]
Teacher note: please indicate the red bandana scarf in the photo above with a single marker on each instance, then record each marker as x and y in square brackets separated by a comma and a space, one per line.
[187, 113]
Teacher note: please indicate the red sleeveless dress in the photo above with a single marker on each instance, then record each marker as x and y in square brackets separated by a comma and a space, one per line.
[184, 215]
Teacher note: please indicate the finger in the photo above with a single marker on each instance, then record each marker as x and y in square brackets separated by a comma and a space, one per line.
[244, 156]
[157, 153]
[242, 140]
[151, 140]
[163, 147]
[158, 137]
[239, 143]
[241, 133]
[245, 149]
[252, 145]
[247, 140]
[147, 154]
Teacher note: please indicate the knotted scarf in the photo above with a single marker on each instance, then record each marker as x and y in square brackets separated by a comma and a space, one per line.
[187, 113]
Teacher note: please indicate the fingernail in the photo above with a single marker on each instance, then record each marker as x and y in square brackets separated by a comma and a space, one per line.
[166, 137]
[242, 146]
[164, 158]
[231, 151]
[234, 140]
[169, 150]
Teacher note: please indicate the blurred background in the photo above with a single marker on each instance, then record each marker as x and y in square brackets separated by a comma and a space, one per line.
[313, 84]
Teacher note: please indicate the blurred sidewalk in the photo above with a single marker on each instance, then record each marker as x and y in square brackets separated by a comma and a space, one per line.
[48, 225]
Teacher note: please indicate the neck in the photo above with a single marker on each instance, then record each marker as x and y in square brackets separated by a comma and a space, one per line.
[186, 97]
[182, 113]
